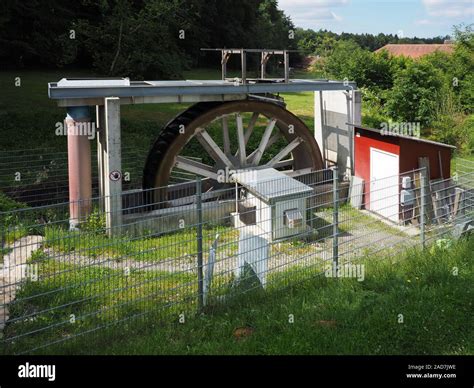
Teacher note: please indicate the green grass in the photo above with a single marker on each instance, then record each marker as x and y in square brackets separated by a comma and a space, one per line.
[180, 244]
[331, 316]
[435, 304]
[94, 296]
[466, 156]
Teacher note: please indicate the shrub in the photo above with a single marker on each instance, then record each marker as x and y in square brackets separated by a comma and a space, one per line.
[8, 204]
[95, 223]
[414, 93]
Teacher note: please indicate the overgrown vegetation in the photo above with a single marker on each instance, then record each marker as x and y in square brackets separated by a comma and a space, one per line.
[431, 290]
[143, 39]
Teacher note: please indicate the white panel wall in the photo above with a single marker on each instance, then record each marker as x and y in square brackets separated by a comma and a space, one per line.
[332, 111]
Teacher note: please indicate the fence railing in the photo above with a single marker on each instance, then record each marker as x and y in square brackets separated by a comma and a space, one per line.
[39, 176]
[180, 249]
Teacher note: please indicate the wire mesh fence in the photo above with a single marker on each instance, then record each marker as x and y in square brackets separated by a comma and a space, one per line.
[181, 249]
[39, 176]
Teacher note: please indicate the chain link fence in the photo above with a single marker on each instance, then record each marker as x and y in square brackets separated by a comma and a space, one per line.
[181, 249]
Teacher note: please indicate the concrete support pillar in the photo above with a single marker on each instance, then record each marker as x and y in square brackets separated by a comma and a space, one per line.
[79, 164]
[109, 157]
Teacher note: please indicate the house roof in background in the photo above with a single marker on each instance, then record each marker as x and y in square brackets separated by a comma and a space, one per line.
[416, 50]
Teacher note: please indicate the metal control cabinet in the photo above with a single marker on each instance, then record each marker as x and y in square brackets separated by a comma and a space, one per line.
[279, 202]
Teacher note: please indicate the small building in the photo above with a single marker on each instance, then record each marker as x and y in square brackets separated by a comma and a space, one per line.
[382, 157]
[273, 202]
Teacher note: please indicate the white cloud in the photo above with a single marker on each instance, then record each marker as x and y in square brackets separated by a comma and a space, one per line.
[423, 22]
[311, 3]
[449, 8]
[307, 12]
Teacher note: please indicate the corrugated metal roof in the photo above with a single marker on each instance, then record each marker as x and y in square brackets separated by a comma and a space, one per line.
[416, 50]
[412, 138]
[270, 184]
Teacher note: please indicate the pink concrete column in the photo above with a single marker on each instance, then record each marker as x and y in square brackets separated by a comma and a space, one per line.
[79, 128]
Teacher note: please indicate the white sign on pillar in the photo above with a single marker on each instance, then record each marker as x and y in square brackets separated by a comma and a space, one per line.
[111, 168]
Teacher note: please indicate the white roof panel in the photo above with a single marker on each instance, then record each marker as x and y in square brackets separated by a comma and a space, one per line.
[270, 184]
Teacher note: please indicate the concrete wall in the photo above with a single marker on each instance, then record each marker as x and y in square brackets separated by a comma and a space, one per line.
[332, 111]
[171, 219]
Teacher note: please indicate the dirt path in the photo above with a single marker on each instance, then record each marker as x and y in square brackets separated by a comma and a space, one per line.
[14, 271]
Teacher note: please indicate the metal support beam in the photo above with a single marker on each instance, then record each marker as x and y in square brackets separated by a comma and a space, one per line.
[243, 61]
[265, 56]
[155, 92]
[224, 60]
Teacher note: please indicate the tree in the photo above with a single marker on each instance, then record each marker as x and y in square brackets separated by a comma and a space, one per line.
[132, 39]
[463, 66]
[37, 33]
[349, 60]
[415, 92]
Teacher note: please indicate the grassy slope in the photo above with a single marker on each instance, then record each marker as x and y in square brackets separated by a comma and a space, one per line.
[330, 316]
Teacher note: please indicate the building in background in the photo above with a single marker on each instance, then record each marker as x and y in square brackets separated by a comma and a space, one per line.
[416, 51]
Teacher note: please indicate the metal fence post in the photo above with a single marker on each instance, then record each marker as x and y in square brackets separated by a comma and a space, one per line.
[335, 218]
[199, 243]
[422, 206]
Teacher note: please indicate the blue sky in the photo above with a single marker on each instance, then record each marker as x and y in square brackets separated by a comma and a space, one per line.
[422, 18]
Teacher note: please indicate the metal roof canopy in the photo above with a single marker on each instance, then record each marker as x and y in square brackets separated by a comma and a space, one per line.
[80, 92]
[270, 184]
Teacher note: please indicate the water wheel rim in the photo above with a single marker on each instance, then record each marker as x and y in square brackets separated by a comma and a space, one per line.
[172, 140]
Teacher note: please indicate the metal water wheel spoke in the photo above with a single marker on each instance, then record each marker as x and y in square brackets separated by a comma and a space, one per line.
[216, 127]
[277, 136]
[212, 148]
[285, 151]
[225, 135]
[251, 126]
[241, 140]
[263, 142]
[195, 167]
